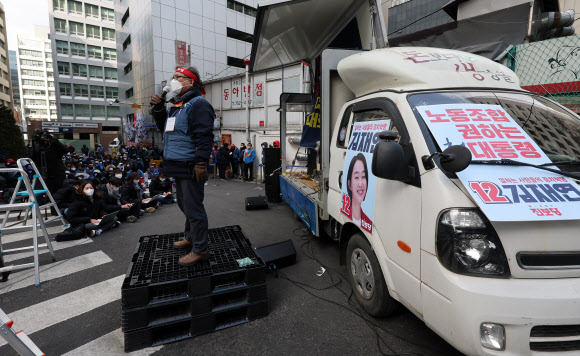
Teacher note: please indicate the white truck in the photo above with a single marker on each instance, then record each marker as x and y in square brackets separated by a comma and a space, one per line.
[486, 253]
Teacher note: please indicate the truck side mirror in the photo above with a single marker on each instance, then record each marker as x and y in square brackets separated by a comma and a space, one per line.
[389, 161]
[455, 158]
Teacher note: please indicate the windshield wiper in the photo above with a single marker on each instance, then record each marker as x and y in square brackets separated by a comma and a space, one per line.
[511, 162]
[562, 163]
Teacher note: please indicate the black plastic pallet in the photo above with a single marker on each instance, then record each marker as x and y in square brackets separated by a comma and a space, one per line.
[142, 317]
[154, 276]
[171, 332]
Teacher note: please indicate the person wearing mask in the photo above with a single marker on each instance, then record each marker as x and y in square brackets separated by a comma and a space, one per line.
[88, 209]
[112, 200]
[47, 153]
[223, 158]
[152, 172]
[129, 168]
[241, 156]
[162, 185]
[235, 152]
[249, 157]
[131, 193]
[187, 140]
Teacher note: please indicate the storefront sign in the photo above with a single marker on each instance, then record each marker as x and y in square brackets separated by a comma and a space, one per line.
[237, 93]
[504, 193]
[70, 124]
[227, 138]
[226, 94]
[358, 182]
[258, 93]
[180, 53]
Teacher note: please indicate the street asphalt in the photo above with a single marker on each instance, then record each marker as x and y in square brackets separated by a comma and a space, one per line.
[309, 315]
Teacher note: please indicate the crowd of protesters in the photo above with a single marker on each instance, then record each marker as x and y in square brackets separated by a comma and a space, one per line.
[127, 184]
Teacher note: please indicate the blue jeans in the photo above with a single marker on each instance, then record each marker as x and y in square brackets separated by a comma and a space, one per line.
[168, 199]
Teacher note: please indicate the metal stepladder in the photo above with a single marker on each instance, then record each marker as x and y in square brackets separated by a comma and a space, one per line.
[18, 340]
[31, 205]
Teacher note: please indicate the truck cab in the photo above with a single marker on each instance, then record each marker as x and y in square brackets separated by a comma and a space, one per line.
[450, 191]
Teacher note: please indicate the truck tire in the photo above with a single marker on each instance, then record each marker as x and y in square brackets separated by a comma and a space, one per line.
[366, 278]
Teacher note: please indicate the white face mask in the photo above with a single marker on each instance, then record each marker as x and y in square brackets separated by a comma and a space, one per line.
[176, 86]
[118, 176]
[89, 192]
[162, 179]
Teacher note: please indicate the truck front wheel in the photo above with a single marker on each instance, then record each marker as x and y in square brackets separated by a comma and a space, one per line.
[366, 278]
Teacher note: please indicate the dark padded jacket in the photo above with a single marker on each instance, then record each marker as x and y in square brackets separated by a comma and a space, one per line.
[82, 210]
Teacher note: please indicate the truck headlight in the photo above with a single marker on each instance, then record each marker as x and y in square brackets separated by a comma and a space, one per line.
[468, 244]
[492, 336]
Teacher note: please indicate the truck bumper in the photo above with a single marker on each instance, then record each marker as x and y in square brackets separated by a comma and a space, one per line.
[455, 306]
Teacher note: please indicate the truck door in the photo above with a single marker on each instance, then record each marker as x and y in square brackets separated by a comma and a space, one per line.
[397, 205]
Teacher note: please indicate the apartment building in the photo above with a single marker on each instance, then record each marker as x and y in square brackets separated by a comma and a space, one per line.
[155, 36]
[36, 77]
[5, 91]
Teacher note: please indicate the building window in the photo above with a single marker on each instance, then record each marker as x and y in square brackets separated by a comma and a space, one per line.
[239, 35]
[97, 92]
[129, 68]
[107, 14]
[108, 34]
[79, 70]
[49, 65]
[63, 68]
[51, 85]
[27, 52]
[112, 93]
[94, 51]
[125, 18]
[30, 62]
[34, 83]
[60, 25]
[129, 93]
[236, 62]
[244, 9]
[111, 73]
[61, 47]
[76, 28]
[127, 42]
[66, 109]
[2, 44]
[82, 110]
[109, 53]
[75, 7]
[91, 11]
[81, 90]
[58, 5]
[65, 89]
[98, 110]
[114, 111]
[35, 92]
[96, 72]
[77, 49]
[93, 31]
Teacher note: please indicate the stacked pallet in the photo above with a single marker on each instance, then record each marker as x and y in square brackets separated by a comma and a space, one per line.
[165, 302]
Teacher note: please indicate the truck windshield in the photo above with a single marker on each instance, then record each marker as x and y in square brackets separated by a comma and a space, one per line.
[555, 131]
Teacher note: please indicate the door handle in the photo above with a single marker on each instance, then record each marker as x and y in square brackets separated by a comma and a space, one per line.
[340, 179]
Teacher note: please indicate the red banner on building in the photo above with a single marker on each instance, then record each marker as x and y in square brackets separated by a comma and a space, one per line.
[180, 53]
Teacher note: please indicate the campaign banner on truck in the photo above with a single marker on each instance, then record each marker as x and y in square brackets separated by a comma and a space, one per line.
[358, 182]
[504, 193]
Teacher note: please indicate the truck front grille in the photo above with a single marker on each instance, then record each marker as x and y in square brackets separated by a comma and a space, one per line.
[549, 260]
[555, 338]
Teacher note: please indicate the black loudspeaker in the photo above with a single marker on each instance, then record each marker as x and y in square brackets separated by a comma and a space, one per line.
[256, 203]
[272, 183]
[278, 255]
[272, 160]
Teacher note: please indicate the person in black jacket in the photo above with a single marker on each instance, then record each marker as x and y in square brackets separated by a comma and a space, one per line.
[47, 153]
[223, 158]
[65, 196]
[187, 140]
[131, 193]
[88, 209]
[112, 200]
[162, 185]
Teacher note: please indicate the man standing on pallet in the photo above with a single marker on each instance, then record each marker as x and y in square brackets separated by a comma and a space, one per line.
[187, 141]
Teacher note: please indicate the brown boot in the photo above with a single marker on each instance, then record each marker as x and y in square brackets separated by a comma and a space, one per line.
[182, 243]
[193, 257]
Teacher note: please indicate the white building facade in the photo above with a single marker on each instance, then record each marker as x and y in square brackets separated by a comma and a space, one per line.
[36, 77]
[153, 37]
[85, 61]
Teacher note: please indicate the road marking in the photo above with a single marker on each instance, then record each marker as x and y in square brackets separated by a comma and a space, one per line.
[53, 311]
[55, 270]
[55, 246]
[27, 235]
[110, 344]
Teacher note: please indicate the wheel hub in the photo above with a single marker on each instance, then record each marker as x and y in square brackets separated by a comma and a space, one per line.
[362, 273]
